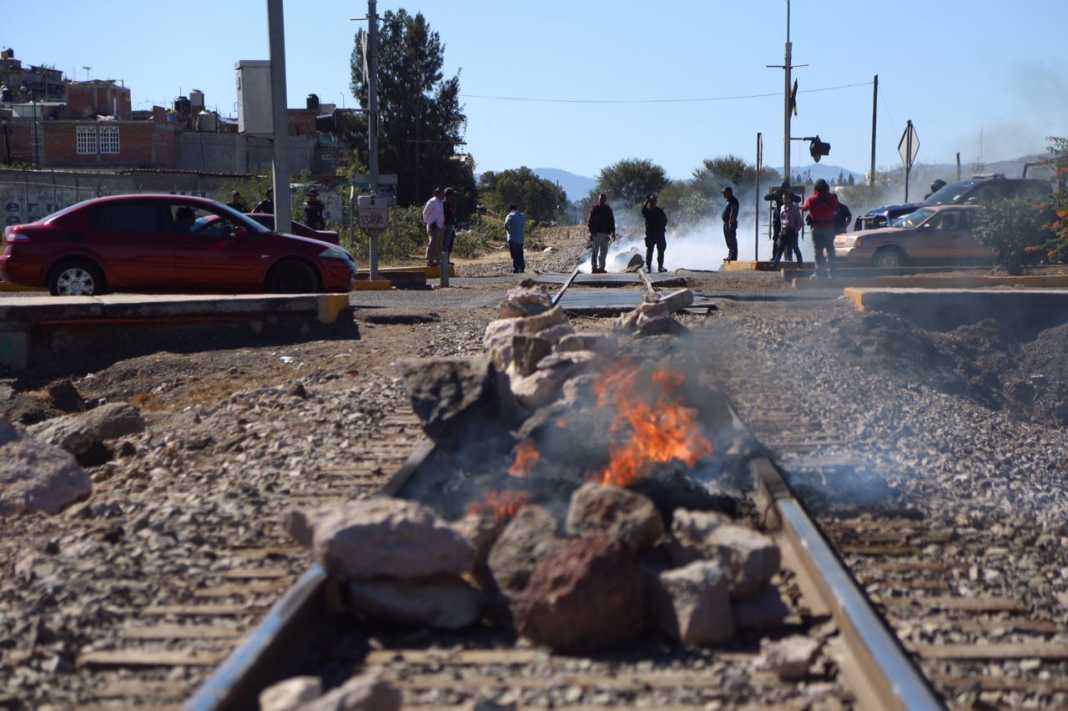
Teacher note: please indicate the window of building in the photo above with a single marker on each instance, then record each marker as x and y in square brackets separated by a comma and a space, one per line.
[109, 139]
[85, 140]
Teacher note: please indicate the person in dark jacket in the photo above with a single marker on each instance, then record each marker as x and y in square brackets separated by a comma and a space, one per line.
[935, 187]
[602, 226]
[266, 205]
[313, 211]
[843, 217]
[730, 223]
[236, 202]
[449, 206]
[655, 233]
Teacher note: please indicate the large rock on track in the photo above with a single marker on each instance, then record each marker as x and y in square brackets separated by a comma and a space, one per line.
[628, 517]
[36, 476]
[79, 433]
[449, 394]
[445, 602]
[587, 595]
[693, 604]
[384, 537]
[528, 538]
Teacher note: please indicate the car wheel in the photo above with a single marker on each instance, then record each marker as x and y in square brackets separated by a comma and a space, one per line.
[888, 258]
[76, 278]
[292, 277]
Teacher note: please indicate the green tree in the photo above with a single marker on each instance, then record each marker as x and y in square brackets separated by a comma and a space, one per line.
[714, 174]
[543, 200]
[421, 121]
[630, 181]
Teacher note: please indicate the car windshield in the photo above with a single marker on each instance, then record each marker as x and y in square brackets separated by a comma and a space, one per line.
[952, 193]
[241, 218]
[912, 220]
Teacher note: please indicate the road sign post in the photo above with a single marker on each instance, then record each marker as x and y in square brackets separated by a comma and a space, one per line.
[908, 148]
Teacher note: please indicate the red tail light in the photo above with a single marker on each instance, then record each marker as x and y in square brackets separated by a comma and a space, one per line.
[12, 234]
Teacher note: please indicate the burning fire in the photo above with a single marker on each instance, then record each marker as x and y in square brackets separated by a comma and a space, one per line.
[526, 456]
[661, 432]
[502, 504]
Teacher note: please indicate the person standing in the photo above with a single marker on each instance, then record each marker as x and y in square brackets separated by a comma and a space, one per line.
[730, 223]
[790, 219]
[313, 211]
[774, 197]
[266, 205]
[236, 202]
[434, 221]
[448, 207]
[602, 226]
[821, 207]
[655, 233]
[842, 218]
[514, 225]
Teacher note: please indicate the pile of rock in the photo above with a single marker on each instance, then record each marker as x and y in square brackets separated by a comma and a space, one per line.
[615, 572]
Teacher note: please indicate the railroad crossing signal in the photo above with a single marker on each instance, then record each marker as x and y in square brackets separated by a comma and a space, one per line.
[909, 145]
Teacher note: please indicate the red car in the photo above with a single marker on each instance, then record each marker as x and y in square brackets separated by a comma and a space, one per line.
[298, 228]
[167, 243]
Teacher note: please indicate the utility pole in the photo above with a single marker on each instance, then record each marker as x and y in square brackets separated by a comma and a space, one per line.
[756, 209]
[372, 123]
[787, 68]
[958, 165]
[874, 113]
[279, 114]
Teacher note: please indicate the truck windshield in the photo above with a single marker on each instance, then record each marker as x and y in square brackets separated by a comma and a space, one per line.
[912, 220]
[950, 194]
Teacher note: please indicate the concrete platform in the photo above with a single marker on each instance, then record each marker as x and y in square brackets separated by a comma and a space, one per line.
[37, 329]
[612, 280]
[1023, 310]
[751, 266]
[932, 281]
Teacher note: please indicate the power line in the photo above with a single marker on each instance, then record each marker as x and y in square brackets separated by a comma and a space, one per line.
[707, 99]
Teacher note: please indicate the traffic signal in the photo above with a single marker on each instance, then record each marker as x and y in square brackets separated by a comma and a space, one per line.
[817, 149]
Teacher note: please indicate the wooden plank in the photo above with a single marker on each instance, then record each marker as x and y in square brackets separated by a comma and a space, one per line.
[1001, 683]
[962, 604]
[165, 632]
[987, 650]
[271, 552]
[889, 551]
[135, 688]
[469, 656]
[149, 658]
[991, 626]
[256, 573]
[250, 587]
[910, 566]
[634, 682]
[202, 610]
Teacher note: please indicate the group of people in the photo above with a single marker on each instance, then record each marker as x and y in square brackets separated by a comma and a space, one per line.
[314, 210]
[601, 223]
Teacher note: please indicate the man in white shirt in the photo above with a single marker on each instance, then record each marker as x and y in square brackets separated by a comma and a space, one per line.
[434, 219]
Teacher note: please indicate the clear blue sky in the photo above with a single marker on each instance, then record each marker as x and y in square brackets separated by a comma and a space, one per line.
[954, 67]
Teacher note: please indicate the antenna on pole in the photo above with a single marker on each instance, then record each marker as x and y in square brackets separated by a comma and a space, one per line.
[86, 72]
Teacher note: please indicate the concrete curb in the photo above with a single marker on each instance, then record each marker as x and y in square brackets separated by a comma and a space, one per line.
[1022, 309]
[372, 285]
[934, 282]
[751, 266]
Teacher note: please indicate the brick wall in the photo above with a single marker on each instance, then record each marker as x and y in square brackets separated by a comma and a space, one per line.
[142, 144]
[88, 100]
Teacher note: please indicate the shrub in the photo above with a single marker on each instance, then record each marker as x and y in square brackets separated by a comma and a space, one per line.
[1014, 229]
[405, 238]
[1055, 249]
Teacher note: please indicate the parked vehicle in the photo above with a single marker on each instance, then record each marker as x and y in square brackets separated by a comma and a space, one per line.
[935, 235]
[297, 228]
[167, 243]
[979, 189]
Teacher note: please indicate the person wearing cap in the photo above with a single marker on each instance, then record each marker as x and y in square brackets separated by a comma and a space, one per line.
[730, 223]
[266, 205]
[655, 233]
[236, 202]
[821, 207]
[601, 223]
[434, 220]
[313, 211]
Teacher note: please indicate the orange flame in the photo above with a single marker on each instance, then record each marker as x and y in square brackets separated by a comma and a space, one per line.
[502, 504]
[662, 432]
[526, 456]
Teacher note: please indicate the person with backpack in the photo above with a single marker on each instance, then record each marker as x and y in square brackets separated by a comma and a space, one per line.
[655, 233]
[821, 207]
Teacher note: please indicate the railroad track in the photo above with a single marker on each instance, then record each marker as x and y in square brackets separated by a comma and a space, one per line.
[168, 648]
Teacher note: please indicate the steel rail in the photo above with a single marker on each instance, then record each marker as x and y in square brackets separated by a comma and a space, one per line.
[567, 284]
[648, 284]
[882, 673]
